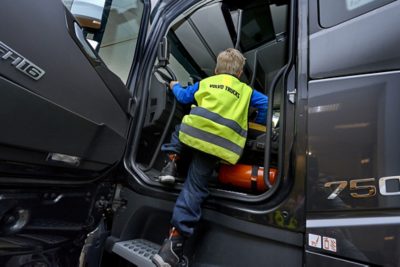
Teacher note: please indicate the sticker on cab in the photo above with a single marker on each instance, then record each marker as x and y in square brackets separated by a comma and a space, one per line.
[314, 240]
[329, 244]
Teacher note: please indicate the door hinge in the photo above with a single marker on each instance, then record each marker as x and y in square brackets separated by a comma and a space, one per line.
[118, 202]
[132, 106]
[292, 95]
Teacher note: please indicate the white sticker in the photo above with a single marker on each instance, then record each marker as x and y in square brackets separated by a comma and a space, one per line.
[329, 244]
[314, 241]
[353, 4]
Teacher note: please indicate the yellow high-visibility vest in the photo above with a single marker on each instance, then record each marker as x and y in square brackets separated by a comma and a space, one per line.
[218, 124]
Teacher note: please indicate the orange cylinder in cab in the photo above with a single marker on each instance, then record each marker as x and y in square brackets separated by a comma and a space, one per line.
[249, 177]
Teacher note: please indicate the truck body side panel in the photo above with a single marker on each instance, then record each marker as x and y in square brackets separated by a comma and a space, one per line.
[364, 44]
[353, 175]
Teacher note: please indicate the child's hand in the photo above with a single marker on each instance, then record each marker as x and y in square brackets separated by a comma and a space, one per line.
[172, 83]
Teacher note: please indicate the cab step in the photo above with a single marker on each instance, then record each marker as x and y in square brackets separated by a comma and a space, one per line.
[137, 251]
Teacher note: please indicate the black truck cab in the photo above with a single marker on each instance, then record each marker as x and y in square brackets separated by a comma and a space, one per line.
[84, 110]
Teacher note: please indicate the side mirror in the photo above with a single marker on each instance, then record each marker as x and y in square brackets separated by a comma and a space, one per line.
[163, 52]
[88, 13]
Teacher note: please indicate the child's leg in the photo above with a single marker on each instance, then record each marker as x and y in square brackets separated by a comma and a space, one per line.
[187, 210]
[174, 146]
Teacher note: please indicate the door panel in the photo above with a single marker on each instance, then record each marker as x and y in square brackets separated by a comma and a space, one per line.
[64, 121]
[38, 125]
[70, 110]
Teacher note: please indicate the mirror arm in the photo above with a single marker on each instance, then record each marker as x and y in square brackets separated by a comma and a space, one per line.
[163, 53]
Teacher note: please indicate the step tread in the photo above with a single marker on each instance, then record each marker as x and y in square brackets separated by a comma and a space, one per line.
[137, 251]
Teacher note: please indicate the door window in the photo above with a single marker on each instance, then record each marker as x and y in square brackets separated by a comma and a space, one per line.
[112, 28]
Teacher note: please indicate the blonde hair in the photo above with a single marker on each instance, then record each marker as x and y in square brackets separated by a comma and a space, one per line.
[230, 61]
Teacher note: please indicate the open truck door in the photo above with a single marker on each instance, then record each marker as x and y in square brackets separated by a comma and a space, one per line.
[65, 113]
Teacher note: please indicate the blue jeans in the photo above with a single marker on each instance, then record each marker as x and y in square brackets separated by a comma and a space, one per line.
[174, 146]
[187, 210]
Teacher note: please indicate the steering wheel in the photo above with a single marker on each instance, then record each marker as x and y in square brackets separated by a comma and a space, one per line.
[165, 76]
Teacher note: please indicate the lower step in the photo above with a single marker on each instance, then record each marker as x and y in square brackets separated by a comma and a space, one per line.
[137, 251]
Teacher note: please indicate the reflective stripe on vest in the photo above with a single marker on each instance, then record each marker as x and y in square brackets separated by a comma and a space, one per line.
[218, 126]
[219, 119]
[211, 138]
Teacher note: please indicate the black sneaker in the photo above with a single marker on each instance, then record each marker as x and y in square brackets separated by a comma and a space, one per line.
[171, 252]
[168, 173]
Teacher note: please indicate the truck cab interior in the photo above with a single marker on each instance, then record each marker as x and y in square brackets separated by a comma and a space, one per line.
[259, 30]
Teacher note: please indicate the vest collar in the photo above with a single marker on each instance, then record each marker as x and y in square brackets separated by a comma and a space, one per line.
[227, 74]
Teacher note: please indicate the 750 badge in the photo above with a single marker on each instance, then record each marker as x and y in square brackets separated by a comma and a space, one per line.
[363, 188]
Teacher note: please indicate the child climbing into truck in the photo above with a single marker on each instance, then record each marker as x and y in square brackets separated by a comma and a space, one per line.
[216, 129]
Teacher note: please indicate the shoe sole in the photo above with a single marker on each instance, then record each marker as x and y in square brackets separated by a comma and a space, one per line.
[167, 179]
[159, 262]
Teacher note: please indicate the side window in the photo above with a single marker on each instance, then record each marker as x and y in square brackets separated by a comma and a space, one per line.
[257, 27]
[111, 28]
[333, 12]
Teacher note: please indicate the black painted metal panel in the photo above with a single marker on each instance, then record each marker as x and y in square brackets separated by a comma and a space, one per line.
[375, 242]
[69, 110]
[353, 134]
[315, 259]
[368, 43]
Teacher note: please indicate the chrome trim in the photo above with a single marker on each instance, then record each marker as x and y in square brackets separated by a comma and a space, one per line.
[20, 63]
[322, 223]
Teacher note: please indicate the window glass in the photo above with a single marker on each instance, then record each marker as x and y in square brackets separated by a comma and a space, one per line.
[333, 12]
[112, 29]
[257, 27]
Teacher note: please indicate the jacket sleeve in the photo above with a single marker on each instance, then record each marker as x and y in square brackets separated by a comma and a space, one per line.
[185, 95]
[260, 101]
